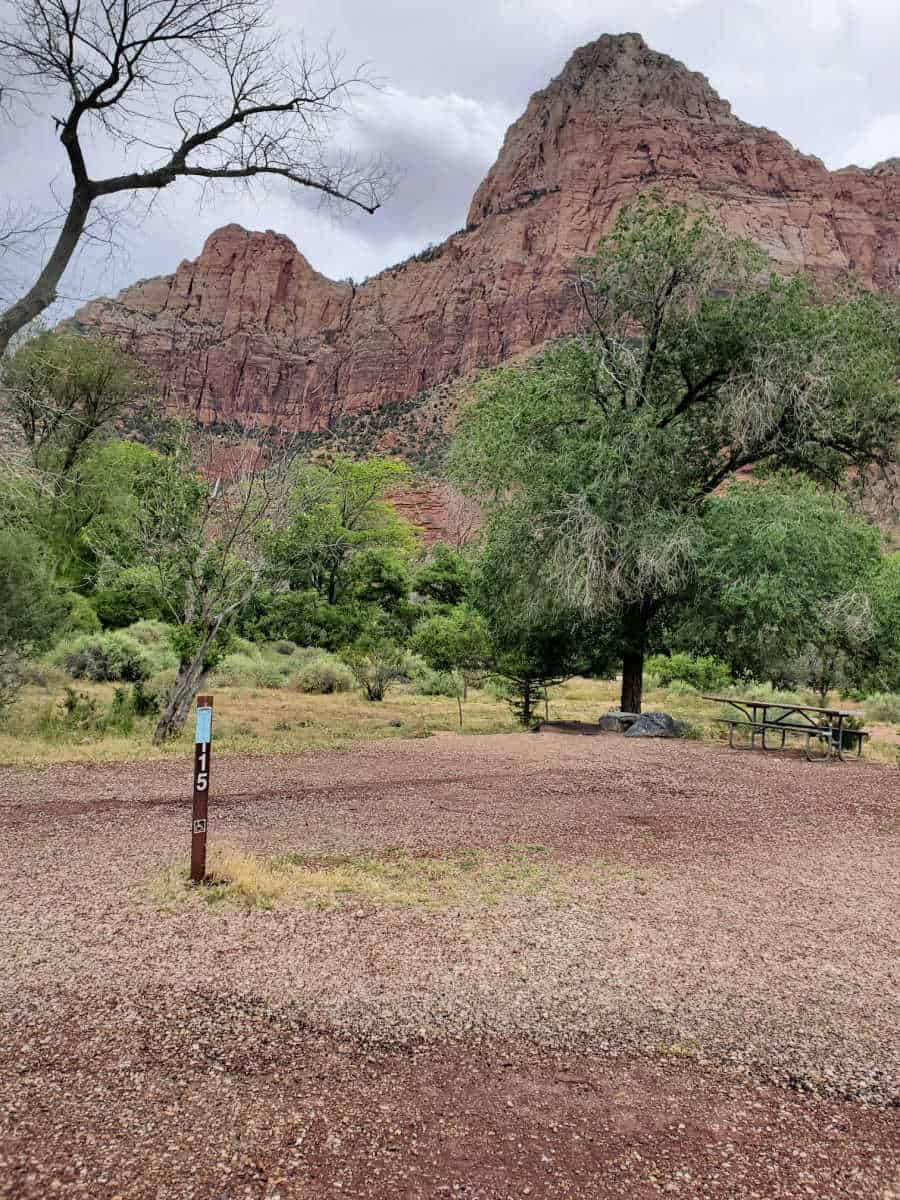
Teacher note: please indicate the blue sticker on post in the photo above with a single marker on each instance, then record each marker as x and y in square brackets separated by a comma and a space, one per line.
[204, 725]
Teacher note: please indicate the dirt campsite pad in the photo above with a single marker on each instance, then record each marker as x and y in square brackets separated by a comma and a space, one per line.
[488, 967]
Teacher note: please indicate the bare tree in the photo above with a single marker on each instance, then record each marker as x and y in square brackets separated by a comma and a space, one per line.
[183, 89]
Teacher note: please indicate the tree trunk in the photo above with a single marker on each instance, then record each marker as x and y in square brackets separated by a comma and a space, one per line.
[190, 679]
[635, 630]
[43, 292]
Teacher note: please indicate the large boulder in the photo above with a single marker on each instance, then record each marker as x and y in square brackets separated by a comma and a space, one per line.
[653, 724]
[617, 722]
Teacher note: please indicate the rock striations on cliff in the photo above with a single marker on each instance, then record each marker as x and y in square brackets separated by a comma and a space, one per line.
[250, 328]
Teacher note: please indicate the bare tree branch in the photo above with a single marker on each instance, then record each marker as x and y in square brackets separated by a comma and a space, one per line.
[199, 84]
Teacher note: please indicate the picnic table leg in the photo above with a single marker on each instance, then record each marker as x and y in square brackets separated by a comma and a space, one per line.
[826, 757]
[780, 746]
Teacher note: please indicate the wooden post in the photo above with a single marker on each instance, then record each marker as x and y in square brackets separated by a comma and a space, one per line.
[199, 819]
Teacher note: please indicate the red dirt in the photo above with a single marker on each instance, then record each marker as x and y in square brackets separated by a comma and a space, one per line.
[694, 1028]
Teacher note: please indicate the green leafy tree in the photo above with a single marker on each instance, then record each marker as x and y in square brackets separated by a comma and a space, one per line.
[534, 641]
[880, 671]
[130, 595]
[32, 607]
[782, 581]
[208, 539]
[64, 393]
[456, 642]
[446, 577]
[696, 366]
[342, 512]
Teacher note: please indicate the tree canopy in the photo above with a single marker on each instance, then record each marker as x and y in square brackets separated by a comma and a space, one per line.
[697, 365]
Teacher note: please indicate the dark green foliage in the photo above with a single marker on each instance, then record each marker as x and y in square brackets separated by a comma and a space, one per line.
[131, 595]
[32, 607]
[446, 577]
[305, 618]
[108, 658]
[783, 570]
[379, 576]
[706, 673]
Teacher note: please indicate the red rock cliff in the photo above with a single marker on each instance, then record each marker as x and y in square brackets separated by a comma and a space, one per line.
[250, 327]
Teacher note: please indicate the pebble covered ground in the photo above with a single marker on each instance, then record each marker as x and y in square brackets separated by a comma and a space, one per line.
[715, 1012]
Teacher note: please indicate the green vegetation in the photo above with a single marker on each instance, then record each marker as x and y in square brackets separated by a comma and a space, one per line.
[608, 453]
[619, 540]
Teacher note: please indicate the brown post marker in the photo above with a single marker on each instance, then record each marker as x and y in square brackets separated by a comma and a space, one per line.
[202, 748]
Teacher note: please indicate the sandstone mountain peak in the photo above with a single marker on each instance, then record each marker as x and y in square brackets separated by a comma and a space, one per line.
[251, 327]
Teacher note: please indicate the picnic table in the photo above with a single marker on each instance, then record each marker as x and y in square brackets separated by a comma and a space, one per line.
[823, 726]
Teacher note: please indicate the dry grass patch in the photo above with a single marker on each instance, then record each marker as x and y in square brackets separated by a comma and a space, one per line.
[394, 878]
[268, 721]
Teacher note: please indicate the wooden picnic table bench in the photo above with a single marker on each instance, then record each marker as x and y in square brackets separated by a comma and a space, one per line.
[816, 725]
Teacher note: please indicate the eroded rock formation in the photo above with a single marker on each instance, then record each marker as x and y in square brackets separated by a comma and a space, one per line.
[250, 327]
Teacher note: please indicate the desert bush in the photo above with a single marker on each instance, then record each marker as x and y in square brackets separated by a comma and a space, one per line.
[108, 658]
[426, 682]
[883, 706]
[703, 673]
[156, 638]
[248, 670]
[377, 664]
[324, 674]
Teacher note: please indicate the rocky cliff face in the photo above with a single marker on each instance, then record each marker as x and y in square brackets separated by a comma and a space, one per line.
[251, 328]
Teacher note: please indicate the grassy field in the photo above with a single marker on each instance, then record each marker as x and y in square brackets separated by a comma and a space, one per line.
[254, 720]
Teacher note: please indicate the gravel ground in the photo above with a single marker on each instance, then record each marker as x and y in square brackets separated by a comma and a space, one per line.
[717, 1016]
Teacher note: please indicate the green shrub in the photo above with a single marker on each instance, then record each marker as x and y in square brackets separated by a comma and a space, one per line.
[426, 682]
[108, 658]
[156, 638]
[704, 673]
[884, 707]
[130, 596]
[377, 665]
[247, 670]
[82, 616]
[283, 647]
[324, 674]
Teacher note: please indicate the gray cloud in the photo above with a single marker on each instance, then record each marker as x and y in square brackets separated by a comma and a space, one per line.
[821, 72]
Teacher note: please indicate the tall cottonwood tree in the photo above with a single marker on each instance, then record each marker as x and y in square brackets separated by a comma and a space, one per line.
[697, 366]
[196, 89]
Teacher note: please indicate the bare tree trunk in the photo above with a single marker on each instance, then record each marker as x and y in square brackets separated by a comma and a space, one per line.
[43, 292]
[635, 630]
[190, 679]
[459, 706]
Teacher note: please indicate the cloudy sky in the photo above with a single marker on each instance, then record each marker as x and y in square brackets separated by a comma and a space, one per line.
[455, 75]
